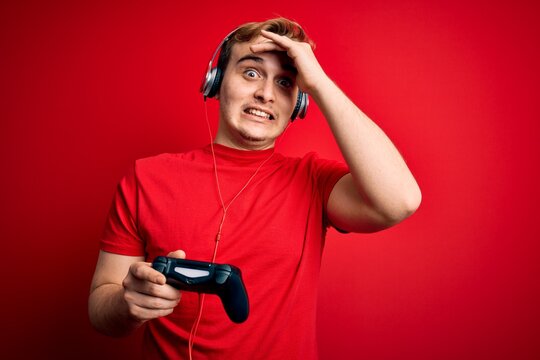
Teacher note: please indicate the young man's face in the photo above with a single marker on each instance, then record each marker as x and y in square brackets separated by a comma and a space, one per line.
[257, 97]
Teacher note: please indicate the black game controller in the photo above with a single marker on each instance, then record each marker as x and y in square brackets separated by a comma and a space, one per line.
[204, 277]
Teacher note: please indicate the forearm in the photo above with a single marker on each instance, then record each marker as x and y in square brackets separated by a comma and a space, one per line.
[381, 176]
[108, 311]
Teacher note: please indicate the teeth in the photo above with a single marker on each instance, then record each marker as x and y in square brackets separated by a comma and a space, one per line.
[258, 113]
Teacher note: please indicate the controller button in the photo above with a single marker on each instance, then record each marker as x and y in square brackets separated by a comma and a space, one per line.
[221, 277]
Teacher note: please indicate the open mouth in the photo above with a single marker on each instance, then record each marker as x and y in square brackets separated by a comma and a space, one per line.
[259, 113]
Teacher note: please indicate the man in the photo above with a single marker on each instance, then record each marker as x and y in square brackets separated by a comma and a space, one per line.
[267, 212]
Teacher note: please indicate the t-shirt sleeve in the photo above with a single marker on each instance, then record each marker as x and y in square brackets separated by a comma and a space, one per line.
[121, 235]
[328, 173]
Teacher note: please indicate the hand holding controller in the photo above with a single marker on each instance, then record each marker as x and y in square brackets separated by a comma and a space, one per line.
[220, 279]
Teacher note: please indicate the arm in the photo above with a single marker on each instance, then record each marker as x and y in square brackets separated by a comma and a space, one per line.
[380, 191]
[126, 292]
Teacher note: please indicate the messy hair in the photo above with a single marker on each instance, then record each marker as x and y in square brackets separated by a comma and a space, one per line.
[248, 31]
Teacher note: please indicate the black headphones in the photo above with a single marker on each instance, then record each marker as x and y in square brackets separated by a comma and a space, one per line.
[214, 75]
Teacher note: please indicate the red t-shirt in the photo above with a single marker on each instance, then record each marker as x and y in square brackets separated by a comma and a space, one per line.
[274, 232]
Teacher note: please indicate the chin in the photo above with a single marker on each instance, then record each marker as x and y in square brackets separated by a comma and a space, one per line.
[254, 139]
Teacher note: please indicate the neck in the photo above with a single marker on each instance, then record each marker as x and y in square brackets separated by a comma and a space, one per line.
[246, 144]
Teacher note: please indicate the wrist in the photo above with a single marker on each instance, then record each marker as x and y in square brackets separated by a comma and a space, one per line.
[321, 88]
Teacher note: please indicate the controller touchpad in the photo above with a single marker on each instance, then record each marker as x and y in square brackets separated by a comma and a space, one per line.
[191, 273]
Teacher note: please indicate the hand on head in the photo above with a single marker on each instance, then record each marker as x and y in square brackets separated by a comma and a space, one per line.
[301, 53]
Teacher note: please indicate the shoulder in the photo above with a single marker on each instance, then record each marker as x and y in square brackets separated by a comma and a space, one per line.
[168, 161]
[156, 160]
[312, 162]
[308, 158]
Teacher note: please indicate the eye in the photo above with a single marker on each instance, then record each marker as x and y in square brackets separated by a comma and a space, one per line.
[250, 73]
[286, 83]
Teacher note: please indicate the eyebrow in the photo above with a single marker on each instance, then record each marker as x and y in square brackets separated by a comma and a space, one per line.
[259, 59]
[250, 57]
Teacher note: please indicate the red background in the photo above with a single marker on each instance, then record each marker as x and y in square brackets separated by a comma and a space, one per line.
[87, 87]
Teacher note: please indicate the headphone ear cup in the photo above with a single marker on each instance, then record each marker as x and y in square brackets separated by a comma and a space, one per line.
[207, 82]
[214, 82]
[304, 105]
[300, 108]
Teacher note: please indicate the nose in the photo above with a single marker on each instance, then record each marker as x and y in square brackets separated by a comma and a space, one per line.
[265, 91]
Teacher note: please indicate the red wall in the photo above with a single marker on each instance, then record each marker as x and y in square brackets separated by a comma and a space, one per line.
[87, 87]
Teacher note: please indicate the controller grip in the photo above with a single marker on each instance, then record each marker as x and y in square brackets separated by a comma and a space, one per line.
[235, 299]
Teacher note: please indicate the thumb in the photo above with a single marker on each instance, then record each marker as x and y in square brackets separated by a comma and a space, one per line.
[178, 254]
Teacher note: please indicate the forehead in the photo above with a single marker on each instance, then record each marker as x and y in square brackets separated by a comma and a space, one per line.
[241, 52]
